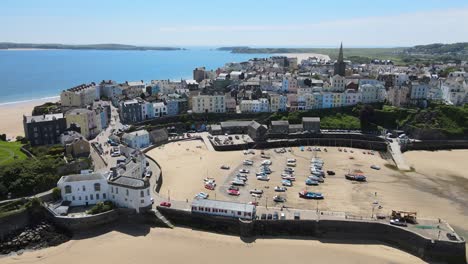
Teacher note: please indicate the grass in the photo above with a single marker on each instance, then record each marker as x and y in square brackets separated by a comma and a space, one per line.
[10, 151]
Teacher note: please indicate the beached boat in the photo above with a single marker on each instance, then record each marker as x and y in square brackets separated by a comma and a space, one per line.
[309, 181]
[316, 178]
[287, 183]
[279, 199]
[263, 178]
[288, 177]
[355, 177]
[310, 195]
[238, 182]
[257, 191]
[280, 189]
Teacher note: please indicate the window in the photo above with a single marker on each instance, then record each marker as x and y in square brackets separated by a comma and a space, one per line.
[142, 194]
[86, 197]
[84, 189]
[239, 213]
[68, 189]
[103, 196]
[112, 189]
[79, 198]
[91, 197]
[127, 192]
[73, 198]
[116, 190]
[147, 192]
[97, 187]
[97, 196]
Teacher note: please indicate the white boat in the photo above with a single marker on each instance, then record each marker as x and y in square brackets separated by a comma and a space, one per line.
[238, 182]
[257, 191]
[266, 162]
[280, 189]
[263, 178]
[291, 164]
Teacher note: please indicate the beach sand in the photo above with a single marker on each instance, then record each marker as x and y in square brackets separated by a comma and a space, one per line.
[436, 189]
[303, 56]
[11, 116]
[181, 245]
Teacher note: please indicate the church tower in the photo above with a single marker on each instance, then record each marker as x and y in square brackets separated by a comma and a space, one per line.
[340, 65]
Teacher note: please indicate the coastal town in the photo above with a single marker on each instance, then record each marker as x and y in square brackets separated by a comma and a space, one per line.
[246, 147]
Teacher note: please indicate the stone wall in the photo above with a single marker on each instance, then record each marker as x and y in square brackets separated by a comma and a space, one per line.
[14, 222]
[427, 249]
[84, 222]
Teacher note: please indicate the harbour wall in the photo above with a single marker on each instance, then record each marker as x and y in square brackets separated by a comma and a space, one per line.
[339, 142]
[14, 222]
[404, 239]
[435, 145]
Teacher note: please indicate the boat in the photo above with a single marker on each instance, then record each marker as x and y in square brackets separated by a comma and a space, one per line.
[279, 199]
[257, 191]
[256, 195]
[280, 189]
[310, 195]
[287, 183]
[355, 177]
[233, 192]
[263, 178]
[291, 164]
[248, 162]
[309, 181]
[238, 182]
[288, 177]
[316, 178]
[289, 169]
[209, 186]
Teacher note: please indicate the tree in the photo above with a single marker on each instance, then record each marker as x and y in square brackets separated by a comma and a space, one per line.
[56, 194]
[366, 116]
[308, 82]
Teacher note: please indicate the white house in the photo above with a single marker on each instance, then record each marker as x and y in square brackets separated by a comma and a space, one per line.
[89, 189]
[84, 189]
[338, 83]
[138, 139]
[160, 109]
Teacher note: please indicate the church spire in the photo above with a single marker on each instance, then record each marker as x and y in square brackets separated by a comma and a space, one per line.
[340, 56]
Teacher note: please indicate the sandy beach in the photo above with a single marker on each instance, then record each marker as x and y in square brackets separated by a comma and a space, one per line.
[11, 115]
[303, 56]
[434, 190]
[188, 246]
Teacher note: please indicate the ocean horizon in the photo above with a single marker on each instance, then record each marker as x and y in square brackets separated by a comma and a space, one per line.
[27, 75]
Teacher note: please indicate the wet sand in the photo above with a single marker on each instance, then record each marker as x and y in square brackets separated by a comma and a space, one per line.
[187, 246]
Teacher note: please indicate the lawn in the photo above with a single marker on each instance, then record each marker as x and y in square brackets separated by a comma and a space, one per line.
[10, 151]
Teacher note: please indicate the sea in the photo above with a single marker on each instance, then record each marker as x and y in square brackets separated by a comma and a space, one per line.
[37, 74]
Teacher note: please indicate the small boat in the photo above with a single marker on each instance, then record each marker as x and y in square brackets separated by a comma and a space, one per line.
[233, 192]
[288, 177]
[209, 186]
[279, 199]
[263, 178]
[316, 178]
[355, 177]
[257, 191]
[256, 195]
[289, 169]
[309, 181]
[375, 167]
[238, 182]
[266, 162]
[280, 189]
[287, 183]
[310, 195]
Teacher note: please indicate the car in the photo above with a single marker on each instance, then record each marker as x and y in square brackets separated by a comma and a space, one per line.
[275, 216]
[283, 216]
[233, 192]
[225, 167]
[311, 182]
[201, 195]
[265, 157]
[288, 177]
[398, 222]
[165, 204]
[291, 164]
[291, 160]
[297, 216]
[263, 178]
[244, 171]
[263, 217]
[375, 167]
[269, 217]
[148, 173]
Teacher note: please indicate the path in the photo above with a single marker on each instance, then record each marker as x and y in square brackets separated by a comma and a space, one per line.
[398, 156]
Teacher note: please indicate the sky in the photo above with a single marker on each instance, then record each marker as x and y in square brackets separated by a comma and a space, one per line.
[264, 23]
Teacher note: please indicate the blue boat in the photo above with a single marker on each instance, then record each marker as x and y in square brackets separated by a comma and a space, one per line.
[310, 195]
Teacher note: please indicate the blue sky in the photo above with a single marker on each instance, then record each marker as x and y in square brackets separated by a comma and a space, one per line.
[240, 22]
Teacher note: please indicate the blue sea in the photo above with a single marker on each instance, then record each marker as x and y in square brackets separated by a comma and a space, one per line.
[35, 74]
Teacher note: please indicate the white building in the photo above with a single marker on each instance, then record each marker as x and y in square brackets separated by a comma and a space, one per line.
[338, 83]
[372, 93]
[137, 140]
[254, 106]
[89, 189]
[455, 92]
[223, 208]
[160, 109]
[352, 97]
[84, 189]
[419, 92]
[79, 96]
[209, 103]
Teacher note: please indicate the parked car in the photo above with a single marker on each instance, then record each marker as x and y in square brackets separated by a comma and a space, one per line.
[275, 216]
[398, 222]
[269, 216]
[263, 216]
[297, 216]
[279, 199]
[165, 204]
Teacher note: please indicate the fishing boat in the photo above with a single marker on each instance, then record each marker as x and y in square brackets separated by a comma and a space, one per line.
[279, 199]
[355, 177]
[287, 183]
[288, 177]
[238, 182]
[263, 178]
[280, 189]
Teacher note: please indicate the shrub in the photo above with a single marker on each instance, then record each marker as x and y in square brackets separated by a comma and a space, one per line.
[56, 194]
[101, 207]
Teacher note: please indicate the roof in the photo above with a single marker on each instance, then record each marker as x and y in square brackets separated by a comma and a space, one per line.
[83, 177]
[43, 118]
[141, 132]
[280, 123]
[128, 182]
[78, 111]
[235, 124]
[311, 119]
[216, 127]
[243, 207]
